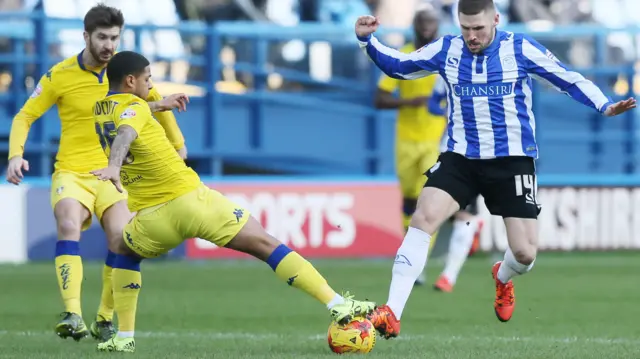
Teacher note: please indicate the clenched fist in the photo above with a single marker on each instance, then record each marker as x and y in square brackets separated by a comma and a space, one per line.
[366, 25]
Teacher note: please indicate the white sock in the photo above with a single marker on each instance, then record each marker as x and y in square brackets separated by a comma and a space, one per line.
[409, 263]
[459, 246]
[125, 334]
[338, 299]
[511, 268]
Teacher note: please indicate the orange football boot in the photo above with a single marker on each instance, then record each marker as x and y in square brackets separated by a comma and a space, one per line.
[505, 296]
[475, 245]
[385, 322]
[443, 285]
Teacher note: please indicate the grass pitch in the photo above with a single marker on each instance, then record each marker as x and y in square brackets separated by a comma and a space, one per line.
[570, 306]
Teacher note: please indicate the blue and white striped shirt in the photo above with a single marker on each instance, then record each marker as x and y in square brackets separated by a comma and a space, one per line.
[489, 94]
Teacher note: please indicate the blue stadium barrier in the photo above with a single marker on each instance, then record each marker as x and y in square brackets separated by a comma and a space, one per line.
[290, 132]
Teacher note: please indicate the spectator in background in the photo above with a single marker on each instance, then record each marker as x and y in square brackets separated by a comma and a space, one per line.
[558, 12]
[547, 13]
[619, 14]
[396, 14]
[342, 12]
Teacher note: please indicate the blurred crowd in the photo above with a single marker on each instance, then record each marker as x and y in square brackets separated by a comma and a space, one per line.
[176, 47]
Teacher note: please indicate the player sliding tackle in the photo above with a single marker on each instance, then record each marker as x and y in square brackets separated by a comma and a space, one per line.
[491, 146]
[172, 205]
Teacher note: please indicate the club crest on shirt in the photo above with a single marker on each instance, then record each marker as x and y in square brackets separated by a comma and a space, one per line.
[128, 113]
[509, 63]
[37, 91]
[59, 190]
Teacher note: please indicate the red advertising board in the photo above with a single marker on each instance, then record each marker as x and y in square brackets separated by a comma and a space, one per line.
[316, 219]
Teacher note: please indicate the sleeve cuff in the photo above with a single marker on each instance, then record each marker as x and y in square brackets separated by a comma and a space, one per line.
[15, 154]
[364, 39]
[605, 106]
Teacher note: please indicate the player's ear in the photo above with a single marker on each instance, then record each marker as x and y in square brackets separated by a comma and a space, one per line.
[130, 81]
[87, 37]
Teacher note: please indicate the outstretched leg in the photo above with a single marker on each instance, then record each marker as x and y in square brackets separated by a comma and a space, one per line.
[434, 207]
[296, 271]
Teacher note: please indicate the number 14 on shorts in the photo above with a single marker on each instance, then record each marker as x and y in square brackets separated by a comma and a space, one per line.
[526, 185]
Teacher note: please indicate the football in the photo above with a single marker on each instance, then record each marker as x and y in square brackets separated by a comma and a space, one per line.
[357, 336]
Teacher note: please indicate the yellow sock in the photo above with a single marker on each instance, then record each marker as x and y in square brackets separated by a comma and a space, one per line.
[405, 221]
[433, 241]
[105, 309]
[299, 273]
[69, 273]
[127, 282]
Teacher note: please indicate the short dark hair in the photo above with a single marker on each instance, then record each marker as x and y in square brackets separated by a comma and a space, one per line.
[102, 15]
[474, 7]
[123, 64]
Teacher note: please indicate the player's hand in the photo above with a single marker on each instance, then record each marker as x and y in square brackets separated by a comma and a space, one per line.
[183, 153]
[14, 170]
[366, 25]
[620, 107]
[178, 101]
[110, 173]
[418, 101]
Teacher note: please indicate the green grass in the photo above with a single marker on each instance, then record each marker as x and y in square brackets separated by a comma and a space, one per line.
[570, 306]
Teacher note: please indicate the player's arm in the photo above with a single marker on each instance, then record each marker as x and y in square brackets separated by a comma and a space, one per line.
[121, 144]
[178, 100]
[168, 121]
[399, 65]
[384, 95]
[41, 100]
[385, 98]
[396, 64]
[129, 123]
[119, 150]
[438, 96]
[542, 64]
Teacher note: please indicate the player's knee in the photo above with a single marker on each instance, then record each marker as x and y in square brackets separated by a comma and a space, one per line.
[121, 248]
[525, 256]
[425, 218]
[254, 240]
[266, 244]
[69, 228]
[115, 243]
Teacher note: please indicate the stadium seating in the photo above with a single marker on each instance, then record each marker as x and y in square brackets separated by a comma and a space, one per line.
[293, 100]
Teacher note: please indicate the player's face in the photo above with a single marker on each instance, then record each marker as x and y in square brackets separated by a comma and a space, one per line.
[102, 43]
[426, 26]
[142, 84]
[478, 30]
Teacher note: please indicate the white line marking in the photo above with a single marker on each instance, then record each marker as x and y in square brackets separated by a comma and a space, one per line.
[409, 337]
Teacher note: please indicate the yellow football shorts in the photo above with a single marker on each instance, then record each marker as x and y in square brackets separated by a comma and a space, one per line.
[413, 159]
[202, 213]
[97, 196]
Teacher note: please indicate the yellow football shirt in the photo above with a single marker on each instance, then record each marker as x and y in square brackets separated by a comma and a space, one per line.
[75, 89]
[414, 123]
[153, 172]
